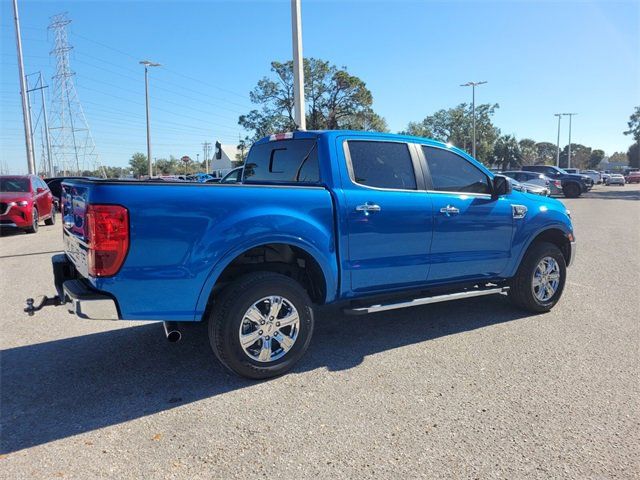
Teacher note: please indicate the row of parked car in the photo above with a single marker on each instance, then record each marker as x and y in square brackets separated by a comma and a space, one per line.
[26, 200]
[609, 178]
[550, 180]
[572, 182]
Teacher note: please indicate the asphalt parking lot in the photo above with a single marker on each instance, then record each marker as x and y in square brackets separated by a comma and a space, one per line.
[469, 389]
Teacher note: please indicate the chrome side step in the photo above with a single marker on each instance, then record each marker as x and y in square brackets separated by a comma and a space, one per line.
[426, 300]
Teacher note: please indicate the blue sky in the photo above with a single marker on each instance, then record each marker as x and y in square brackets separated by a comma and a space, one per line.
[538, 57]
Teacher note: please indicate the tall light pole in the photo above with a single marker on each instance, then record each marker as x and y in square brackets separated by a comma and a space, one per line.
[473, 106]
[31, 163]
[569, 152]
[46, 127]
[298, 66]
[559, 115]
[148, 64]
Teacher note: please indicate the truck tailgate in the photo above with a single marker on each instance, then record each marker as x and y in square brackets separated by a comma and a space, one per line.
[75, 198]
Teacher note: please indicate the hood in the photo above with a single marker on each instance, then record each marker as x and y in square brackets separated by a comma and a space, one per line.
[577, 176]
[550, 202]
[15, 196]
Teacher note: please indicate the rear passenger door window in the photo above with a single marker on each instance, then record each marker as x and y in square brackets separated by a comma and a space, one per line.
[385, 165]
[452, 173]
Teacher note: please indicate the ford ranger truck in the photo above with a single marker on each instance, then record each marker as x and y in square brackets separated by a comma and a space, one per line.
[370, 221]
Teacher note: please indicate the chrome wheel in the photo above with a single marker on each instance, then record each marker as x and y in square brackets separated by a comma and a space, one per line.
[546, 279]
[269, 329]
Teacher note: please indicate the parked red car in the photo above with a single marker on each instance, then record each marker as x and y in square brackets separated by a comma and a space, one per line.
[24, 201]
[633, 177]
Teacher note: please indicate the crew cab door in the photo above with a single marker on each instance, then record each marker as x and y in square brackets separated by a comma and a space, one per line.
[42, 196]
[386, 215]
[472, 232]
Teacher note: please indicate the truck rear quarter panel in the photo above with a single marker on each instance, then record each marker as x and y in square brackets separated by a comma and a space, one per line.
[183, 236]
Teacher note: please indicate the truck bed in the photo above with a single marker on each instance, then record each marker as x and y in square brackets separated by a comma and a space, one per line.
[182, 235]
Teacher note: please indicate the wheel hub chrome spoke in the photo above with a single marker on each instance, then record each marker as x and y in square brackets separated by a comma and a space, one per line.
[285, 341]
[263, 336]
[249, 339]
[288, 320]
[265, 351]
[276, 305]
[254, 315]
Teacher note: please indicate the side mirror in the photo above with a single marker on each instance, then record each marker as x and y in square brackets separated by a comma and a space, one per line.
[39, 190]
[501, 186]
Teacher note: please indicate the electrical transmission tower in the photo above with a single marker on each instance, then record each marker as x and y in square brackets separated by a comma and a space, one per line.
[72, 145]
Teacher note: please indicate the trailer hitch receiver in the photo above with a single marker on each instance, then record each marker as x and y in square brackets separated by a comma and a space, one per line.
[33, 305]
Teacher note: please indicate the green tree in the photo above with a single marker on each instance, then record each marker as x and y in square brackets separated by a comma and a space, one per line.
[546, 153]
[506, 153]
[579, 156]
[455, 126]
[529, 151]
[595, 158]
[334, 99]
[634, 125]
[114, 172]
[634, 131]
[618, 157]
[633, 154]
[139, 164]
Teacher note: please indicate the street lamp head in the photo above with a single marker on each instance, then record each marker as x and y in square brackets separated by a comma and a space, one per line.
[148, 63]
[473, 84]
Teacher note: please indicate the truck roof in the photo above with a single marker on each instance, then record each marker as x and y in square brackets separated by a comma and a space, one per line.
[332, 134]
[352, 133]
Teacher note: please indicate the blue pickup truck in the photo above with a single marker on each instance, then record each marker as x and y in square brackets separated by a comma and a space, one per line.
[369, 221]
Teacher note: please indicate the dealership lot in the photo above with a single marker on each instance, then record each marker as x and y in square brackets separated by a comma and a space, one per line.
[470, 389]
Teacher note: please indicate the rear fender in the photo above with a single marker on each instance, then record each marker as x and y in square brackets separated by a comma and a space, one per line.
[327, 261]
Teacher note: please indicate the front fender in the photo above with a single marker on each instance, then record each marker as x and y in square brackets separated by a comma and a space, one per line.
[541, 216]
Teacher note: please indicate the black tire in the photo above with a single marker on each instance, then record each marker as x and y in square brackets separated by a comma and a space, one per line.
[34, 223]
[571, 190]
[52, 219]
[521, 292]
[228, 313]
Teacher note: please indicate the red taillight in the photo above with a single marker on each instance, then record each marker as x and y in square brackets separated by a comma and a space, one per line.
[108, 238]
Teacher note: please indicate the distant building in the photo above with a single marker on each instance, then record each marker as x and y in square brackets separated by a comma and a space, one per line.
[612, 166]
[228, 157]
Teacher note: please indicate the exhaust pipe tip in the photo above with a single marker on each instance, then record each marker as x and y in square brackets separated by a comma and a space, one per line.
[172, 332]
[174, 336]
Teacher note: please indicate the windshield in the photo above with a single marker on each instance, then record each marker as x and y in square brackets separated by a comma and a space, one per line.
[14, 185]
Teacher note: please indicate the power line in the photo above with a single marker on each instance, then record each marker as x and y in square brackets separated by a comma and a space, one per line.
[243, 96]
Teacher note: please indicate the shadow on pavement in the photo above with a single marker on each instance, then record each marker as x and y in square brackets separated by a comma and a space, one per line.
[11, 232]
[614, 194]
[61, 388]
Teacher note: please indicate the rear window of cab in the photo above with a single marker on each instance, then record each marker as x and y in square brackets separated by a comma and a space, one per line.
[283, 161]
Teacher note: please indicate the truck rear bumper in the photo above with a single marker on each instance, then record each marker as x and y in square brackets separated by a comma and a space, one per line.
[88, 303]
[79, 298]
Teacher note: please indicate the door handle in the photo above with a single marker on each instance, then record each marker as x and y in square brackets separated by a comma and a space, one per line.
[368, 208]
[449, 210]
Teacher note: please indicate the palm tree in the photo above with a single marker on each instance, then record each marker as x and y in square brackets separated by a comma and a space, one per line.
[507, 153]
